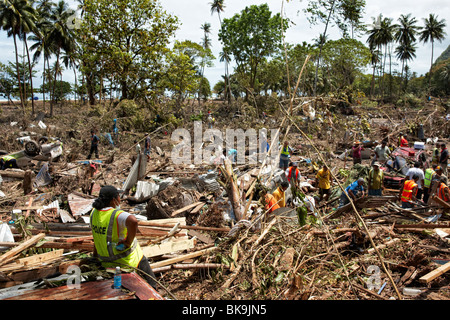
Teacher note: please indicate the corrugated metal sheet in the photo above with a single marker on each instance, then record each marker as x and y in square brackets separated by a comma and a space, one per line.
[96, 290]
[79, 205]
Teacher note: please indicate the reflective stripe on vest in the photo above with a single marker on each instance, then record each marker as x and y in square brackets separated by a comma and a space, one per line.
[105, 240]
[441, 194]
[7, 158]
[285, 151]
[407, 190]
[429, 173]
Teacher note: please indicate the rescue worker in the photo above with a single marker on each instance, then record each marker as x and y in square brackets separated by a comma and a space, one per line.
[284, 157]
[147, 146]
[354, 190]
[430, 174]
[436, 154]
[114, 234]
[408, 192]
[293, 174]
[94, 144]
[8, 162]
[323, 181]
[115, 131]
[402, 142]
[376, 177]
[269, 201]
[443, 191]
[356, 152]
[280, 194]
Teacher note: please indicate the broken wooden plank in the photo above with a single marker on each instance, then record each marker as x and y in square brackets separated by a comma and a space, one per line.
[42, 257]
[441, 202]
[435, 273]
[192, 205]
[9, 255]
[382, 246]
[182, 258]
[168, 247]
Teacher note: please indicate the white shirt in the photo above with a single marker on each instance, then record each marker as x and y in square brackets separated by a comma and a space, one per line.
[416, 171]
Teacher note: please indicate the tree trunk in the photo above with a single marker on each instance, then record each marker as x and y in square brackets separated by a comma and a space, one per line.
[31, 75]
[320, 48]
[431, 65]
[18, 75]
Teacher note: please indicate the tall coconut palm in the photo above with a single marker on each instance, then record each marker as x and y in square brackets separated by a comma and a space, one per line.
[381, 34]
[28, 26]
[432, 31]
[41, 46]
[405, 52]
[218, 6]
[14, 15]
[60, 36]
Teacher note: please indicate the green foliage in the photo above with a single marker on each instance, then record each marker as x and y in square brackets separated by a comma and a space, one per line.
[251, 37]
[126, 40]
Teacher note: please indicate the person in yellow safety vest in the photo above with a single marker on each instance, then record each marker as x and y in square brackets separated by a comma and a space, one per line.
[430, 174]
[402, 142]
[408, 192]
[293, 174]
[376, 180]
[114, 234]
[8, 162]
[284, 157]
[436, 154]
[443, 190]
[280, 195]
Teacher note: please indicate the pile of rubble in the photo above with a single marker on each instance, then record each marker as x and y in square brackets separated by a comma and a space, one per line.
[205, 230]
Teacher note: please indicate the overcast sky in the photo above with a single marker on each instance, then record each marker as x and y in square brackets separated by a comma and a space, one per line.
[193, 13]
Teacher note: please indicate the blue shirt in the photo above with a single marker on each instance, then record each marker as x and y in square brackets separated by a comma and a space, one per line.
[355, 187]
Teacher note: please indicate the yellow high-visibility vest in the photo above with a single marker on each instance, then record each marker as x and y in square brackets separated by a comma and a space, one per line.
[105, 232]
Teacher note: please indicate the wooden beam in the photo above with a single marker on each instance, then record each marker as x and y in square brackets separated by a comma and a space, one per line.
[8, 256]
[192, 205]
[435, 273]
[182, 258]
[382, 246]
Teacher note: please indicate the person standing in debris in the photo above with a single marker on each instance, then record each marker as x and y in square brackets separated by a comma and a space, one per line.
[323, 181]
[402, 142]
[114, 234]
[115, 131]
[210, 120]
[147, 146]
[436, 154]
[293, 174]
[382, 152]
[94, 144]
[284, 157]
[419, 172]
[408, 192]
[354, 190]
[280, 195]
[429, 174]
[356, 152]
[443, 191]
[376, 177]
[443, 159]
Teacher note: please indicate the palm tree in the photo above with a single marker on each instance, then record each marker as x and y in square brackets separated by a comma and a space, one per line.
[29, 25]
[381, 35]
[61, 37]
[405, 52]
[15, 15]
[206, 27]
[42, 44]
[433, 30]
[218, 6]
